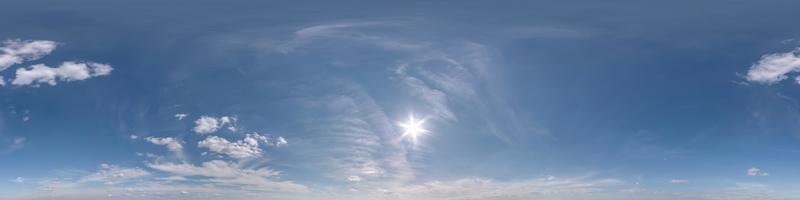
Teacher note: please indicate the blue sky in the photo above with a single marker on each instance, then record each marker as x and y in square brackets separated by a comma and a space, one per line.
[399, 100]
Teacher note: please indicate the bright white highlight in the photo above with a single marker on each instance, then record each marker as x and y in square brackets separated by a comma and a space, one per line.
[413, 128]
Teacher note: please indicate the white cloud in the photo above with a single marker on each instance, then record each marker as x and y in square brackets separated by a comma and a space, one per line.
[754, 171]
[133, 137]
[679, 181]
[773, 68]
[113, 174]
[246, 148]
[222, 172]
[354, 178]
[171, 143]
[19, 180]
[67, 71]
[180, 116]
[2, 81]
[206, 124]
[281, 141]
[16, 51]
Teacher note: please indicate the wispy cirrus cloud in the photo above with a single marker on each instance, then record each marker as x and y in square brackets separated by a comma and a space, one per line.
[481, 188]
[114, 174]
[15, 145]
[441, 75]
[231, 174]
[355, 137]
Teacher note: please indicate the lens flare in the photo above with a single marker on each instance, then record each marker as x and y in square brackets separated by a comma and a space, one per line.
[413, 128]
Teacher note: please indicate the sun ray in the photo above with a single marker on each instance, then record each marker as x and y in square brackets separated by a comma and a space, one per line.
[413, 128]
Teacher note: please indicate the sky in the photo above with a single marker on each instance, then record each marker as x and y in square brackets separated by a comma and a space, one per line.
[423, 100]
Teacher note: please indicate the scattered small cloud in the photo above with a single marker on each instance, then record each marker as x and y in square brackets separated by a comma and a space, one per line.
[754, 171]
[180, 116]
[246, 148]
[67, 71]
[207, 124]
[171, 143]
[281, 141]
[17, 51]
[19, 180]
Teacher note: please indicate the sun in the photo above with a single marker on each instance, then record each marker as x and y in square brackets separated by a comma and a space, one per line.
[413, 128]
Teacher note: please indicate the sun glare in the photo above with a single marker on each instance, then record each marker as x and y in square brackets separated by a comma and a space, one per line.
[413, 128]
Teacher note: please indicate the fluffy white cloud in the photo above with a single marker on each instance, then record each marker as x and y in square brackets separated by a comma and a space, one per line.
[207, 124]
[754, 171]
[16, 51]
[171, 143]
[222, 172]
[773, 68]
[113, 174]
[246, 148]
[19, 180]
[67, 71]
[180, 116]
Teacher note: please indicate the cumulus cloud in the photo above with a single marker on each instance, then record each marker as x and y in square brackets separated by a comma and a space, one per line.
[207, 124]
[754, 171]
[221, 172]
[773, 68]
[17, 51]
[246, 148]
[171, 143]
[113, 174]
[67, 71]
[19, 180]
